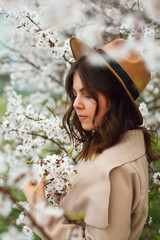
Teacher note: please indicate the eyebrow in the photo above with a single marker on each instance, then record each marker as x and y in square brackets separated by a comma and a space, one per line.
[81, 89]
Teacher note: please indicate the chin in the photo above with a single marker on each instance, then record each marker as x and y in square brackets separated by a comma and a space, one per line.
[87, 128]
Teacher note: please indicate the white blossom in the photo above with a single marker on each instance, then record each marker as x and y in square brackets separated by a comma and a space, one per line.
[60, 14]
[1, 182]
[58, 52]
[20, 219]
[90, 34]
[58, 172]
[150, 221]
[45, 211]
[3, 164]
[74, 234]
[152, 7]
[13, 234]
[5, 205]
[143, 109]
[156, 178]
[27, 231]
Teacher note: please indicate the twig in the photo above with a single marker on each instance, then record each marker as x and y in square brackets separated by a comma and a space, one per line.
[45, 137]
[34, 23]
[138, 4]
[66, 59]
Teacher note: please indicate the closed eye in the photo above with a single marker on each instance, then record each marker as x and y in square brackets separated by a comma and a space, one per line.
[83, 91]
[87, 96]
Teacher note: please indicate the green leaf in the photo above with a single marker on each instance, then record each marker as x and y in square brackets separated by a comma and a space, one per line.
[70, 152]
[75, 171]
[29, 162]
[64, 191]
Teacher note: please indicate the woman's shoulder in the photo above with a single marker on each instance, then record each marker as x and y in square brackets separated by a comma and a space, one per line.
[130, 147]
[136, 170]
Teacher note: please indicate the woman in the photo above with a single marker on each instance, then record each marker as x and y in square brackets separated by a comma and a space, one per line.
[111, 186]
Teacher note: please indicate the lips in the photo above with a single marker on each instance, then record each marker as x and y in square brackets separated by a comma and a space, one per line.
[82, 117]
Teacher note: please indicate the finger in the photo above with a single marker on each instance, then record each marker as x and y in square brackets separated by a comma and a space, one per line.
[34, 183]
[28, 186]
[41, 183]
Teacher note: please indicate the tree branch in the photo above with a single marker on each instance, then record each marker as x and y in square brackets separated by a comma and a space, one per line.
[34, 23]
[29, 62]
[66, 59]
[45, 137]
[42, 136]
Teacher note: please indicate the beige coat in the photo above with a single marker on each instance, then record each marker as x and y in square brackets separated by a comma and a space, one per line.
[112, 191]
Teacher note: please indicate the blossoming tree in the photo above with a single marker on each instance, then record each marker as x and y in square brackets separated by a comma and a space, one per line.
[36, 55]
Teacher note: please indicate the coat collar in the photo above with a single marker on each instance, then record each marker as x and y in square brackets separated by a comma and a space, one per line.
[130, 147]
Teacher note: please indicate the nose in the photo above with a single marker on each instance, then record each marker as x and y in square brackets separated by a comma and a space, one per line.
[78, 103]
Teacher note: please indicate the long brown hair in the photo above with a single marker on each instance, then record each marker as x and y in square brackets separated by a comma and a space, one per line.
[120, 117]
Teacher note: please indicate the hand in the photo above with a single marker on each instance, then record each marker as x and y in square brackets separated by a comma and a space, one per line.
[33, 192]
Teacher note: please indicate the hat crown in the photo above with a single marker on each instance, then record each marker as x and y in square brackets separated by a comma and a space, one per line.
[133, 64]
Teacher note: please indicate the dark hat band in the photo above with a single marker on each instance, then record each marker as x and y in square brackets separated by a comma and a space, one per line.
[121, 73]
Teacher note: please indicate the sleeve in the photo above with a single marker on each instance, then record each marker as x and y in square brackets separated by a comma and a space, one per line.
[125, 187]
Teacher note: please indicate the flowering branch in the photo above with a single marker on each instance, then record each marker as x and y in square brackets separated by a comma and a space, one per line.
[45, 137]
[7, 191]
[50, 42]
[34, 22]
[29, 62]
[42, 136]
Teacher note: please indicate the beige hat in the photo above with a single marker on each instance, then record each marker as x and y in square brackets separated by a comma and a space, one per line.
[131, 71]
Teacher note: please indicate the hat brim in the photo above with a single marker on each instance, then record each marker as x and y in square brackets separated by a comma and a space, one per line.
[80, 48]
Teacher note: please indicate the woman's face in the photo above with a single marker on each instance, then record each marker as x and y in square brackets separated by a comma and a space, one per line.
[85, 106]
